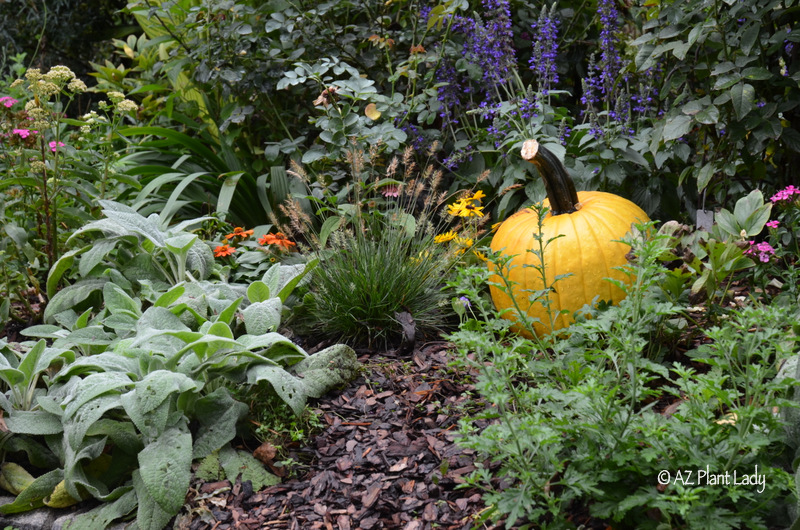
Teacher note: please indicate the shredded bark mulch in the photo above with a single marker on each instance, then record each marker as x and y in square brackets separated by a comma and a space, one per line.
[387, 458]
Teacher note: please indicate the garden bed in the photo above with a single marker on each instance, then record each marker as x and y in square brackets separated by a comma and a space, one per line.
[386, 458]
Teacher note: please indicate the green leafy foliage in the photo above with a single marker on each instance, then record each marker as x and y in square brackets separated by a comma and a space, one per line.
[573, 422]
[128, 396]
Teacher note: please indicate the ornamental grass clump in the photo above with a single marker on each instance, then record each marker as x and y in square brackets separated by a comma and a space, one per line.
[385, 248]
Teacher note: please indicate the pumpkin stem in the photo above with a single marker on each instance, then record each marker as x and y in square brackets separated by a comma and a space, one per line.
[560, 188]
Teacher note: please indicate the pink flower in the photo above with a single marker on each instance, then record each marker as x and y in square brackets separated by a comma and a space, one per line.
[390, 191]
[23, 133]
[773, 224]
[8, 101]
[785, 194]
[54, 146]
[763, 249]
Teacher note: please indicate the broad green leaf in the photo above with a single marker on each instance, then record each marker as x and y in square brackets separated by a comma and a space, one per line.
[150, 328]
[180, 243]
[289, 388]
[727, 222]
[204, 347]
[100, 518]
[258, 292]
[749, 37]
[123, 324]
[45, 331]
[61, 266]
[272, 278]
[31, 497]
[52, 356]
[200, 260]
[220, 329]
[236, 463]
[644, 57]
[150, 515]
[226, 193]
[293, 276]
[676, 127]
[37, 454]
[83, 320]
[262, 317]
[18, 234]
[227, 315]
[86, 337]
[274, 347]
[150, 425]
[11, 376]
[743, 97]
[133, 221]
[330, 368]
[708, 116]
[218, 413]
[94, 385]
[705, 175]
[157, 386]
[164, 467]
[50, 404]
[117, 300]
[71, 296]
[74, 473]
[122, 433]
[330, 225]
[756, 73]
[101, 362]
[96, 254]
[36, 422]
[746, 206]
[30, 360]
[166, 299]
[91, 411]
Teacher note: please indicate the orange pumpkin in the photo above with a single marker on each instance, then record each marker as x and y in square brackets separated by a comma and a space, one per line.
[590, 223]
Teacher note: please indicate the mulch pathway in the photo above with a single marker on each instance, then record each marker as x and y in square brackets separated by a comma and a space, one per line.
[387, 458]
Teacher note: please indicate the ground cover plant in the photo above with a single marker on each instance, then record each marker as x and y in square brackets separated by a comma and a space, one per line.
[196, 236]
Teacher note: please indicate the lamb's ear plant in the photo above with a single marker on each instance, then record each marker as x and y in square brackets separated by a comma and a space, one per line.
[131, 248]
[134, 392]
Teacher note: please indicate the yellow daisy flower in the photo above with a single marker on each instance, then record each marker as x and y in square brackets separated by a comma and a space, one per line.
[456, 208]
[444, 238]
[477, 196]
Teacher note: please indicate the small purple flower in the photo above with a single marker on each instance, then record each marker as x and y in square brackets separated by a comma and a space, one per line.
[785, 194]
[464, 301]
[23, 133]
[610, 60]
[764, 251]
[545, 49]
[773, 224]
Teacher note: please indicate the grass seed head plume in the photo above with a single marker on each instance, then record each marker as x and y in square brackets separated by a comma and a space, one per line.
[298, 171]
[384, 248]
[299, 220]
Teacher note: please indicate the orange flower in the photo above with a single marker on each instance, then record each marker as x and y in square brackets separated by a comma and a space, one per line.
[239, 232]
[276, 239]
[224, 250]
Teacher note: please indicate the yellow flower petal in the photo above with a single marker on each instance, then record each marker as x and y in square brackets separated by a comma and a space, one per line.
[372, 112]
